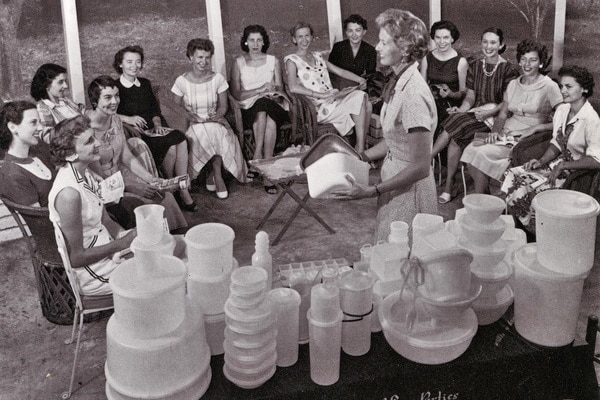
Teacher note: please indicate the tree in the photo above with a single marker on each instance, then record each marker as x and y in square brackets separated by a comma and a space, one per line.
[534, 12]
[11, 84]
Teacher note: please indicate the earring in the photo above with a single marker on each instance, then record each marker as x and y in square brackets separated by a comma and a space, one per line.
[246, 43]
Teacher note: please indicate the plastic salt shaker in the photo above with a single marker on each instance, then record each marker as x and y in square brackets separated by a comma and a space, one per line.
[262, 258]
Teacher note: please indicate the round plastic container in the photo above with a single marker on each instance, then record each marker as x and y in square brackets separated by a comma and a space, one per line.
[248, 281]
[142, 300]
[546, 302]
[485, 257]
[209, 248]
[246, 302]
[325, 349]
[248, 358]
[214, 326]
[565, 226]
[447, 310]
[490, 309]
[483, 208]
[481, 234]
[492, 279]
[250, 320]
[249, 380]
[447, 274]
[210, 292]
[425, 344]
[253, 340]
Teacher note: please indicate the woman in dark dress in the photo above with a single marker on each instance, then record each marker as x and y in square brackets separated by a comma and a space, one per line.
[487, 80]
[445, 69]
[353, 54]
[140, 109]
[27, 173]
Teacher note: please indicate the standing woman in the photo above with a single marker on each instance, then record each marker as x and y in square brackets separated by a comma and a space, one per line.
[308, 74]
[445, 69]
[49, 88]
[256, 83]
[353, 54]
[27, 172]
[140, 108]
[487, 80]
[408, 119]
[202, 95]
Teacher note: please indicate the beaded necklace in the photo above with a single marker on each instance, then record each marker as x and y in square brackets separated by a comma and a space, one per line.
[489, 74]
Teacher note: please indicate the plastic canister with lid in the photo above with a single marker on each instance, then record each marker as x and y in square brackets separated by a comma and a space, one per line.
[325, 302]
[286, 304]
[356, 299]
[546, 302]
[566, 230]
[209, 249]
[325, 349]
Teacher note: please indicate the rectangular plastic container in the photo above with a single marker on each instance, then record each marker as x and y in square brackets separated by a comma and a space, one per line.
[328, 173]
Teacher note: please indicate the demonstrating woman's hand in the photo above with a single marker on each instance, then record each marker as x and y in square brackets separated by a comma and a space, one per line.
[556, 171]
[354, 192]
[532, 164]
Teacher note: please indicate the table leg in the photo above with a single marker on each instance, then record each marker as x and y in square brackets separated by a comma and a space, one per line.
[302, 203]
[273, 207]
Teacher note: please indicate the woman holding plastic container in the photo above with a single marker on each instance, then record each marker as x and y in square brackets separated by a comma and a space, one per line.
[408, 120]
[76, 208]
[575, 145]
[529, 100]
[308, 74]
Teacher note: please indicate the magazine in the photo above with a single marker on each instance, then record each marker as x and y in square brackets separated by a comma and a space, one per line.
[482, 138]
[111, 189]
[154, 133]
[181, 182]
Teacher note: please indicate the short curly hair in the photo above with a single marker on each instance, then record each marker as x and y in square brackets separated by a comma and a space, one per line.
[405, 27]
[255, 29]
[300, 25]
[121, 53]
[581, 75]
[43, 78]
[12, 111]
[199, 44]
[95, 88]
[454, 32]
[62, 143]
[527, 46]
[355, 19]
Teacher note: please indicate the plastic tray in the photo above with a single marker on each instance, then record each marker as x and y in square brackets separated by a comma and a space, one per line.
[330, 143]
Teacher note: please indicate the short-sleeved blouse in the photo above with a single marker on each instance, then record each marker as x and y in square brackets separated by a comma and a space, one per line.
[489, 89]
[584, 139]
[532, 104]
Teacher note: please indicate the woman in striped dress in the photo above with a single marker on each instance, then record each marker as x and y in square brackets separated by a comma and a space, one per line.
[487, 80]
[202, 93]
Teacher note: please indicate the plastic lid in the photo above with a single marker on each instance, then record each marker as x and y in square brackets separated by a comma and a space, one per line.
[249, 276]
[261, 312]
[209, 236]
[356, 281]
[566, 204]
[130, 280]
[496, 273]
[284, 296]
[525, 259]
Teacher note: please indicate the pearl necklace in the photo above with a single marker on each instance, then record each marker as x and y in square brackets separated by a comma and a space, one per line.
[489, 74]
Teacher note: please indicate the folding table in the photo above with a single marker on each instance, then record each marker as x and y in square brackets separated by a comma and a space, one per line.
[284, 171]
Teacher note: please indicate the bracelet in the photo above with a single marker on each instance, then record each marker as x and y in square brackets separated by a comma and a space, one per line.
[377, 190]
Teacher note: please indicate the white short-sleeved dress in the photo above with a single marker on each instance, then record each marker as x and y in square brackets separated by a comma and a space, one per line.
[316, 78]
[208, 139]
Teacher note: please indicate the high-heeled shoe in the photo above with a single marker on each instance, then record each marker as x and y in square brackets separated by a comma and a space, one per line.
[211, 187]
[192, 207]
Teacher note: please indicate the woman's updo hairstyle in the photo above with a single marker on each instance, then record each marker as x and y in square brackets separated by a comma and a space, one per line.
[12, 111]
[255, 29]
[498, 32]
[405, 28]
[66, 132]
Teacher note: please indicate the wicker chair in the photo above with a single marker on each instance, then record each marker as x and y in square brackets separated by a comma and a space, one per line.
[56, 297]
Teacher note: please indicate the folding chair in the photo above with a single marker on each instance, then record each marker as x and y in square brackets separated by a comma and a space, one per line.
[84, 304]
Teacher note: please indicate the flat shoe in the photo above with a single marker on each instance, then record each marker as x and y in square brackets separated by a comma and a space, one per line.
[444, 198]
[271, 189]
[223, 195]
[211, 187]
[252, 175]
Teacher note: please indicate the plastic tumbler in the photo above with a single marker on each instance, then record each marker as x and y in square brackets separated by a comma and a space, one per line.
[325, 349]
[286, 304]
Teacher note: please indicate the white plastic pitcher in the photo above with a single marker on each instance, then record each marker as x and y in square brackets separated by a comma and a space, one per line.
[150, 223]
[546, 302]
[566, 230]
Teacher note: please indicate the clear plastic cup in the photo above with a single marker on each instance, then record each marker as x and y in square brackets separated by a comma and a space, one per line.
[325, 349]
[286, 304]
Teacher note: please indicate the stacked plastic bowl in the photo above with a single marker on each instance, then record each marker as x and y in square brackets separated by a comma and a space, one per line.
[431, 320]
[250, 334]
[482, 230]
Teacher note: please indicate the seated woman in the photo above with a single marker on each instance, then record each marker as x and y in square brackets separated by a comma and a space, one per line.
[575, 145]
[308, 74]
[445, 70]
[27, 172]
[139, 108]
[256, 83]
[487, 79]
[49, 88]
[202, 95]
[75, 207]
[353, 54]
[115, 155]
[529, 100]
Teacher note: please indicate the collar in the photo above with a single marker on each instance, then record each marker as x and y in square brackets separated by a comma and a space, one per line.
[127, 83]
[52, 104]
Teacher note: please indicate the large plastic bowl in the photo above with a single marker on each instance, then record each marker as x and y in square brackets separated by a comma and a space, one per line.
[490, 310]
[493, 279]
[484, 208]
[485, 257]
[481, 234]
[433, 347]
[447, 310]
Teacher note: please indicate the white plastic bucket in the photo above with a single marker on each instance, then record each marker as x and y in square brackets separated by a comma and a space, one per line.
[566, 230]
[546, 302]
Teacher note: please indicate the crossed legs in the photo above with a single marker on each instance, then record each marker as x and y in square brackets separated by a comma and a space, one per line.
[175, 164]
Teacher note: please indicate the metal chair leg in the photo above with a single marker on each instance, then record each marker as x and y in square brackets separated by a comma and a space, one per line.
[76, 355]
[462, 172]
[75, 315]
